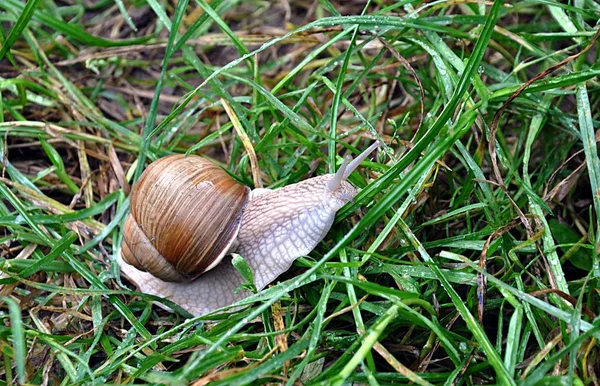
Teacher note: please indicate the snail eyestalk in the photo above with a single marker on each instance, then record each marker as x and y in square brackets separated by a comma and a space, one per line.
[356, 162]
[340, 175]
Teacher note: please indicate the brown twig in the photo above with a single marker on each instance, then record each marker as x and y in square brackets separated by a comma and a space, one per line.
[565, 296]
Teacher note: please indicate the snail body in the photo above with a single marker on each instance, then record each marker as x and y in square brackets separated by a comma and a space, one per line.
[199, 214]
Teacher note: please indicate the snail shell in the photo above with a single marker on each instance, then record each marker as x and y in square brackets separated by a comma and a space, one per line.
[185, 216]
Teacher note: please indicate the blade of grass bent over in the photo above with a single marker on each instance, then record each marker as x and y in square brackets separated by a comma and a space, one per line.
[71, 30]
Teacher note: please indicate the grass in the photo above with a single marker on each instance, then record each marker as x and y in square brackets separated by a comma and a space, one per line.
[470, 255]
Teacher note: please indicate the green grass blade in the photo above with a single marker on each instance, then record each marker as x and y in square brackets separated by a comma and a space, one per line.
[586, 127]
[22, 21]
[335, 104]
[18, 338]
[153, 111]
[71, 30]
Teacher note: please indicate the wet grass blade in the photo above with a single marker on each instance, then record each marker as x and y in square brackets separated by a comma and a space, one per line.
[586, 127]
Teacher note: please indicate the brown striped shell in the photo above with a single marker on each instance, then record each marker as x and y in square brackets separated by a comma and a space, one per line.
[185, 216]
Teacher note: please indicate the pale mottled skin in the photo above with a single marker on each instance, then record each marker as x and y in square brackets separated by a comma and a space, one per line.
[278, 226]
[213, 290]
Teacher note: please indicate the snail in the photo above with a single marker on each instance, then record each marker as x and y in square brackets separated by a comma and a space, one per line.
[187, 214]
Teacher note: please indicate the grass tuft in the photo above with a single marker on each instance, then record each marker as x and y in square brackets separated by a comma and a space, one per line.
[470, 255]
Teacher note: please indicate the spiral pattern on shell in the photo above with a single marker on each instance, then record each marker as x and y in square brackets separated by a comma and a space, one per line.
[185, 216]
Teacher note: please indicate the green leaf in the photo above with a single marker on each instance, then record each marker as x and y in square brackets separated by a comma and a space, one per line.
[243, 268]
